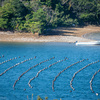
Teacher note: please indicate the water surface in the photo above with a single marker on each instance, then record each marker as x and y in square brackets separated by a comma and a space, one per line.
[93, 36]
[42, 85]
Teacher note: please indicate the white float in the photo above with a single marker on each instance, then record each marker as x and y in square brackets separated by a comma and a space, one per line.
[88, 43]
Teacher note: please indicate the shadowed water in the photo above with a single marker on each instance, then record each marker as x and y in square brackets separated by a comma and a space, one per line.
[42, 85]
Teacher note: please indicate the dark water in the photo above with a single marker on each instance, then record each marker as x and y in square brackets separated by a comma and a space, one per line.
[42, 85]
[93, 36]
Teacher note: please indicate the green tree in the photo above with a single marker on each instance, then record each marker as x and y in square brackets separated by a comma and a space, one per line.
[86, 11]
[36, 23]
[38, 15]
[98, 12]
[6, 12]
[11, 14]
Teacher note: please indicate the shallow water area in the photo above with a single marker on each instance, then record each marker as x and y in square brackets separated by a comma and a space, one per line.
[42, 85]
[93, 36]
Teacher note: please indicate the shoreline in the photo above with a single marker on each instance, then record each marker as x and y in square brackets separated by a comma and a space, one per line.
[60, 34]
[89, 36]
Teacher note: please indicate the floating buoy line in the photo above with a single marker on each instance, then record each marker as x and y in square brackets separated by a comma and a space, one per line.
[2, 56]
[30, 69]
[43, 70]
[92, 80]
[79, 71]
[15, 65]
[8, 60]
[63, 71]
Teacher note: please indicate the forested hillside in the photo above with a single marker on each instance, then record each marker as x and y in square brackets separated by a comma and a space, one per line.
[41, 15]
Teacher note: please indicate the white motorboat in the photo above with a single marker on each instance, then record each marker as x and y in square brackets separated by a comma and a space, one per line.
[88, 43]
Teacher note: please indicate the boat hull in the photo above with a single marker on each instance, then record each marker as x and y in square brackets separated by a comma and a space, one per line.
[88, 43]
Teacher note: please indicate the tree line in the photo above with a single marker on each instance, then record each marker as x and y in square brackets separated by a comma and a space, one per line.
[38, 16]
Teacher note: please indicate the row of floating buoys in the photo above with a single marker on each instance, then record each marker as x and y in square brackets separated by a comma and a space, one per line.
[2, 56]
[8, 60]
[79, 71]
[43, 70]
[11, 59]
[30, 69]
[15, 65]
[92, 80]
[63, 71]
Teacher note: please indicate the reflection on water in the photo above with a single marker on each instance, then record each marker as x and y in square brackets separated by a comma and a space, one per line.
[93, 36]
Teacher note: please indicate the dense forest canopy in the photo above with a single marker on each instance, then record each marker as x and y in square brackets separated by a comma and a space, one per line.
[39, 15]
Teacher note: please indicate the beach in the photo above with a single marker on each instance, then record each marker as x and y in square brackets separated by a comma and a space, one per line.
[60, 34]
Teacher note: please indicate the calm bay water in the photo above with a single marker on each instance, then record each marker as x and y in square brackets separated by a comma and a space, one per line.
[42, 85]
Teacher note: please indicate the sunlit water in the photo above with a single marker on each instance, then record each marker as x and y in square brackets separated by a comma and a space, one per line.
[42, 85]
[93, 36]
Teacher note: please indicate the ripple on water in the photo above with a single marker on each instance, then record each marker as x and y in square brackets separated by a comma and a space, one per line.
[42, 85]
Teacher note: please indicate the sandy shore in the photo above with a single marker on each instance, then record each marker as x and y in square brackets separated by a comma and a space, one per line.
[61, 34]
